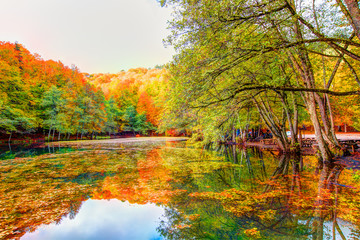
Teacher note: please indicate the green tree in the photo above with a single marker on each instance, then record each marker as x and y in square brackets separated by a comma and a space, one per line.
[136, 122]
[234, 52]
[54, 108]
[14, 114]
[113, 116]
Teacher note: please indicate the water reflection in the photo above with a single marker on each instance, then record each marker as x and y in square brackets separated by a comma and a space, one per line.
[100, 219]
[30, 150]
[232, 194]
[294, 203]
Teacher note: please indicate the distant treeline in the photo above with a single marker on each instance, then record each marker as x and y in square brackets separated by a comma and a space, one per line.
[47, 98]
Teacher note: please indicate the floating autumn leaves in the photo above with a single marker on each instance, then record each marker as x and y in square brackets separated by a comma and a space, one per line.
[44, 189]
[203, 195]
[148, 182]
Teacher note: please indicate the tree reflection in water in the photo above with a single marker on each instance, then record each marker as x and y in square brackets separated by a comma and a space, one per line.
[234, 194]
[293, 203]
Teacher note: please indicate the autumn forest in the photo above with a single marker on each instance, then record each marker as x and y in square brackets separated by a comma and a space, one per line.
[54, 101]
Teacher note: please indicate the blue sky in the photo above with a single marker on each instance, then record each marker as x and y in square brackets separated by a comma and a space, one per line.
[105, 219]
[95, 35]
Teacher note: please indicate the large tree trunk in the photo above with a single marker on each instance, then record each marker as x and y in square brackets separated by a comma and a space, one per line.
[273, 124]
[312, 100]
[326, 154]
[292, 128]
[353, 15]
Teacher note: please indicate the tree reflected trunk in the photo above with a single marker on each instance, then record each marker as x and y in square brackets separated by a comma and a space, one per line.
[324, 203]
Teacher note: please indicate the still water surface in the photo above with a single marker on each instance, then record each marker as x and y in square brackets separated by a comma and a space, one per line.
[105, 219]
[165, 190]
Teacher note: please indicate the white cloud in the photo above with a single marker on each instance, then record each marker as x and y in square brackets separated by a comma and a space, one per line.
[101, 219]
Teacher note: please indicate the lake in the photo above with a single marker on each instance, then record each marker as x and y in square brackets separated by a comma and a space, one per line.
[160, 188]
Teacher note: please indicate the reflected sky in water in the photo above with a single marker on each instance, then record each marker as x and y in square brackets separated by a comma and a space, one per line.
[105, 219]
